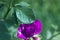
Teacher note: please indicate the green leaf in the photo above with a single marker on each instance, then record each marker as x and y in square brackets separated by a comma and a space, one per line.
[3, 10]
[7, 30]
[49, 34]
[25, 15]
[12, 16]
[22, 4]
[4, 34]
[56, 38]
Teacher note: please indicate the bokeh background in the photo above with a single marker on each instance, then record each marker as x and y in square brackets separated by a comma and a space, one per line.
[15, 12]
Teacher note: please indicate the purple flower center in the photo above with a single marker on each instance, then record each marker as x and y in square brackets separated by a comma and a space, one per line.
[28, 30]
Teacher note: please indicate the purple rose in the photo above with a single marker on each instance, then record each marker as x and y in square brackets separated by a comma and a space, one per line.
[29, 30]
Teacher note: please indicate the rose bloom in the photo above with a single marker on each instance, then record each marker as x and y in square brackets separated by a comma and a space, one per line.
[27, 31]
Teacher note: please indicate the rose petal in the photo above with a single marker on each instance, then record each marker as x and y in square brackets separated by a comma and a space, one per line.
[19, 34]
[38, 26]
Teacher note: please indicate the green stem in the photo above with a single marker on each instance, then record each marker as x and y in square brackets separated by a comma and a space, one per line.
[8, 9]
[6, 13]
[15, 16]
[54, 36]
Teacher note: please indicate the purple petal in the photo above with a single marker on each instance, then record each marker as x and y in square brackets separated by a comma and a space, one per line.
[38, 26]
[19, 34]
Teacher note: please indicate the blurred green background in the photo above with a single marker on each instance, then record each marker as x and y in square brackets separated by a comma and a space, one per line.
[15, 12]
